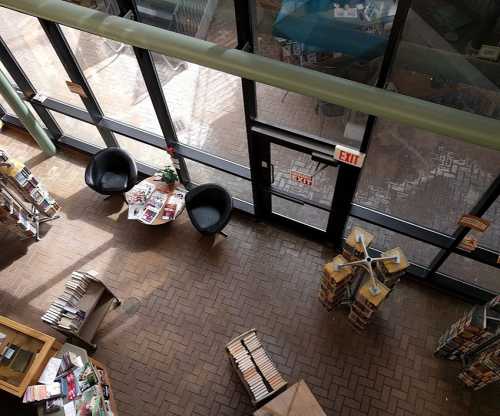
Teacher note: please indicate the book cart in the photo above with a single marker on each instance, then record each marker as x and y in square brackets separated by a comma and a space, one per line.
[80, 310]
[254, 367]
[475, 340]
[360, 281]
[24, 202]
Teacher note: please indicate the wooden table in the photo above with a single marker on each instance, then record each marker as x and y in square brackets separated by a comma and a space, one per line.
[162, 187]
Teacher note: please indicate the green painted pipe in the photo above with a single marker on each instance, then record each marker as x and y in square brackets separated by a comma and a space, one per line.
[25, 116]
[472, 128]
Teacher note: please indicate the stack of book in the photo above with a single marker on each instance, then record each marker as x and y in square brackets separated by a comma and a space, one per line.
[483, 371]
[471, 331]
[334, 283]
[15, 217]
[390, 271]
[366, 304]
[254, 367]
[64, 313]
[353, 249]
[41, 392]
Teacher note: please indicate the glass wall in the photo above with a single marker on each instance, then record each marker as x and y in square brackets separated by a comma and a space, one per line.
[410, 175]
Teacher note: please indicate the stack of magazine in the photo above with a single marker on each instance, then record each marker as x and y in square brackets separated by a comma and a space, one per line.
[148, 205]
[64, 313]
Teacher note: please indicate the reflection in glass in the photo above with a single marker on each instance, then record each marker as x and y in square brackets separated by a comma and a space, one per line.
[206, 107]
[115, 78]
[28, 43]
[79, 129]
[423, 177]
[449, 55]
[204, 19]
[341, 38]
[471, 271]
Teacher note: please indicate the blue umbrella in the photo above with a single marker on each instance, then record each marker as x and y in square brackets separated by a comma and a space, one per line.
[312, 22]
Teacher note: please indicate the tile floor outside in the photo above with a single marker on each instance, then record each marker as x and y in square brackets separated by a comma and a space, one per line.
[182, 301]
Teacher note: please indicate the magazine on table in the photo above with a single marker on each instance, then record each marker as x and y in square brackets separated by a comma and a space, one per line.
[172, 206]
[140, 193]
[153, 207]
[135, 212]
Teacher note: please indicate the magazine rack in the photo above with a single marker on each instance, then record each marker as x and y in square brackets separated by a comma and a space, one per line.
[24, 202]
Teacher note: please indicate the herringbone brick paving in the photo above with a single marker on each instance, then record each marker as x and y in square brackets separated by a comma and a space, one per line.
[167, 357]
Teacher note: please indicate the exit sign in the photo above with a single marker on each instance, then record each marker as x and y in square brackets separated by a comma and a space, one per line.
[350, 156]
[301, 178]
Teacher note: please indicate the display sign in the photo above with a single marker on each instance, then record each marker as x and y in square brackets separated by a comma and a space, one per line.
[469, 244]
[349, 156]
[474, 222]
[76, 89]
[301, 178]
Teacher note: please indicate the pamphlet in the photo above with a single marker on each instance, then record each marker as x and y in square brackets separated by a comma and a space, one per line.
[50, 371]
[172, 206]
[153, 207]
[140, 193]
[135, 212]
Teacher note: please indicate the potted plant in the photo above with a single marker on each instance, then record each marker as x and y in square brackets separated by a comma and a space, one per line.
[169, 176]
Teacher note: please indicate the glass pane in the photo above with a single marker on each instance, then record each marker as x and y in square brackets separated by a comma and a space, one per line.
[29, 44]
[491, 237]
[19, 351]
[79, 129]
[448, 53]
[237, 187]
[310, 115]
[150, 155]
[422, 177]
[206, 107]
[306, 214]
[415, 251]
[471, 271]
[290, 165]
[115, 78]
[204, 19]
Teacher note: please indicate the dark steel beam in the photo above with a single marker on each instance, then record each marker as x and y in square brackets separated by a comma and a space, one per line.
[155, 90]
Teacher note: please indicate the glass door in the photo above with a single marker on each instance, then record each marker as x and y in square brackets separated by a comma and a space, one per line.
[302, 186]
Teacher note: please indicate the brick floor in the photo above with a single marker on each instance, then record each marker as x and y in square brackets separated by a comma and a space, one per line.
[167, 358]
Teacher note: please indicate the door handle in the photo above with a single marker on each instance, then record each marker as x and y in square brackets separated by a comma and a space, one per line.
[272, 173]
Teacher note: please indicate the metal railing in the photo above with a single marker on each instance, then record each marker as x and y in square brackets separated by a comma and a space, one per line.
[439, 119]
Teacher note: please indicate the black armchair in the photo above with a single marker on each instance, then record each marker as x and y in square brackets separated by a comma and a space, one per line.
[111, 171]
[209, 207]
